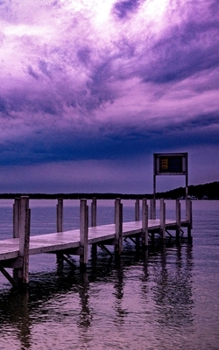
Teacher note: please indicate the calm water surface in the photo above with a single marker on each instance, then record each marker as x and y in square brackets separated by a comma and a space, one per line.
[167, 299]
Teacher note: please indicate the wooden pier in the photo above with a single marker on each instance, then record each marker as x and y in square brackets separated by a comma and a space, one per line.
[15, 252]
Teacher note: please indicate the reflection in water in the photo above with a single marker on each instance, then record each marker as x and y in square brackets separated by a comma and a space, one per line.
[157, 300]
[85, 314]
[164, 277]
[15, 312]
[172, 291]
[119, 292]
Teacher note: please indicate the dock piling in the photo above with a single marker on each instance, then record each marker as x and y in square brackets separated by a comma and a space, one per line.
[94, 212]
[118, 225]
[178, 219]
[22, 273]
[59, 227]
[59, 215]
[137, 210]
[83, 234]
[152, 209]
[162, 218]
[189, 216]
[144, 223]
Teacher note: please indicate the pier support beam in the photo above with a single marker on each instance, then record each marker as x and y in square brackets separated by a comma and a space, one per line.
[94, 212]
[178, 219]
[22, 229]
[59, 228]
[137, 210]
[144, 223]
[162, 218]
[83, 234]
[152, 209]
[16, 215]
[118, 225]
[93, 224]
[59, 215]
[137, 218]
[189, 216]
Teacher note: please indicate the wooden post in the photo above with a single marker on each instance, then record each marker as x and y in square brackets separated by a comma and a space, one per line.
[178, 218]
[189, 216]
[93, 224]
[162, 218]
[144, 223]
[118, 225]
[94, 212]
[59, 228]
[59, 215]
[137, 210]
[16, 209]
[152, 209]
[24, 238]
[83, 234]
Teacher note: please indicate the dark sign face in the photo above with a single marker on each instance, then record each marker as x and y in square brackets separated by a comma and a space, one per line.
[170, 164]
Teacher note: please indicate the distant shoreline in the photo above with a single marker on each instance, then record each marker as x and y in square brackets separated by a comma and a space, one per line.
[203, 191]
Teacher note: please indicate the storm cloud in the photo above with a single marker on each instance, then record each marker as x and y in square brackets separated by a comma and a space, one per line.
[107, 81]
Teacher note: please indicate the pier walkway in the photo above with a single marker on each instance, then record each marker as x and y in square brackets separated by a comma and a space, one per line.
[15, 252]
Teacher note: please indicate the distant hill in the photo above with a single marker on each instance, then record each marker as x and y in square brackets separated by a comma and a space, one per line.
[205, 191]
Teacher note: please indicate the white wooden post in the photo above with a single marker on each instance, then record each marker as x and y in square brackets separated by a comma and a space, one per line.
[16, 209]
[144, 223]
[162, 217]
[189, 216]
[178, 218]
[137, 210]
[152, 209]
[118, 225]
[94, 212]
[59, 228]
[93, 224]
[24, 238]
[59, 215]
[83, 233]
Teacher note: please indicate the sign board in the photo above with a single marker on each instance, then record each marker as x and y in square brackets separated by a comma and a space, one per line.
[170, 163]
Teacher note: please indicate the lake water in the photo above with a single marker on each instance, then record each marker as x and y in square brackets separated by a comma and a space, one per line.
[168, 299]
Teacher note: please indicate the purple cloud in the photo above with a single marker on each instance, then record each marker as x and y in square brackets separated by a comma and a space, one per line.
[109, 80]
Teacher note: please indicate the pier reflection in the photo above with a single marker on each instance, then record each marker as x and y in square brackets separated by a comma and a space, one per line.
[162, 281]
[172, 290]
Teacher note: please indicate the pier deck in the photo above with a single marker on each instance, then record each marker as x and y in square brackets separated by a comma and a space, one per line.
[15, 252]
[60, 241]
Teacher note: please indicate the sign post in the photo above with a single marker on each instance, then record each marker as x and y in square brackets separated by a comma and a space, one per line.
[169, 164]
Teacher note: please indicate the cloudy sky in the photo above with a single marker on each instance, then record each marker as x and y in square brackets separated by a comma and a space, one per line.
[91, 89]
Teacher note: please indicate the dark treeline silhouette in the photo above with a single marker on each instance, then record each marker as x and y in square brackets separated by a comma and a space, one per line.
[204, 191]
